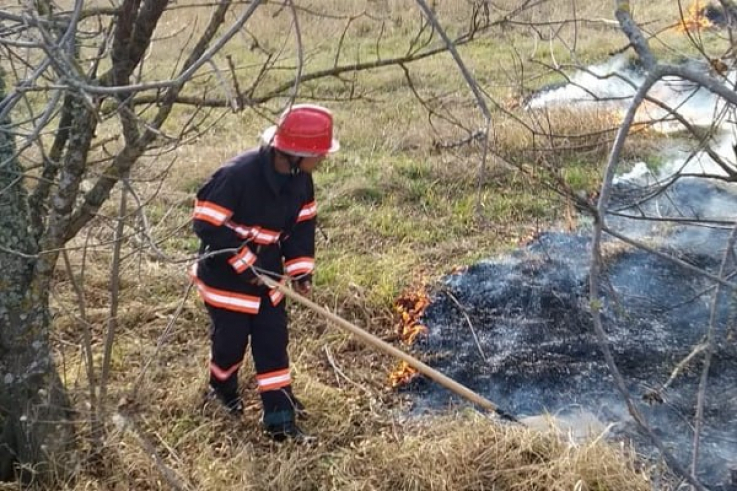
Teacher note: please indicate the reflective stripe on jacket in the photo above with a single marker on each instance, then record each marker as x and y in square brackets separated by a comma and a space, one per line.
[270, 221]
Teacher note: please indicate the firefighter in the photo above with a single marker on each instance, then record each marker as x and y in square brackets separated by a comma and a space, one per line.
[259, 210]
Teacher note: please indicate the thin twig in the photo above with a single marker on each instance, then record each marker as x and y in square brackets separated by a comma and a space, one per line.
[698, 349]
[183, 77]
[683, 264]
[84, 324]
[339, 373]
[7, 250]
[112, 324]
[468, 321]
[160, 343]
[710, 342]
[300, 53]
[126, 424]
[145, 229]
[229, 96]
[473, 85]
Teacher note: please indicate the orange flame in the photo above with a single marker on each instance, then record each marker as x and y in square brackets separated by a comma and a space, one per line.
[695, 19]
[402, 375]
[409, 306]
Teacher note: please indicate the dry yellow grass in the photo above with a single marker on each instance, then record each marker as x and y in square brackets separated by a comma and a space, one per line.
[366, 439]
[394, 207]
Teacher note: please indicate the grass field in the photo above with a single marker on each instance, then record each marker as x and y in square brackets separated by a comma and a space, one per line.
[398, 211]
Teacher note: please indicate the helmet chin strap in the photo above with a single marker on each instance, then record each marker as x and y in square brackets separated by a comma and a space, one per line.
[294, 163]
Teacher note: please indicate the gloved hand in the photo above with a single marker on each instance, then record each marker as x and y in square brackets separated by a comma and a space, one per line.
[261, 288]
[303, 286]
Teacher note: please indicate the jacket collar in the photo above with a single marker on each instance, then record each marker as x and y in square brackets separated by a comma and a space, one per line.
[267, 164]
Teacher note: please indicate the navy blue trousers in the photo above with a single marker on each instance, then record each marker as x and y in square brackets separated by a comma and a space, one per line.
[267, 332]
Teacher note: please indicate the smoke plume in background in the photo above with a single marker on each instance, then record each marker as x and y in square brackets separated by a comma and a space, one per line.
[518, 328]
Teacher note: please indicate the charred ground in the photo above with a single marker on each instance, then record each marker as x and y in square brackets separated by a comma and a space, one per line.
[531, 316]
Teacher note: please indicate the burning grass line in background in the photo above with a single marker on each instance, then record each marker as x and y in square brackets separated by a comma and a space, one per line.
[696, 18]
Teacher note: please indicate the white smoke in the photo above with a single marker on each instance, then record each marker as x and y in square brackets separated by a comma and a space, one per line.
[612, 85]
[530, 308]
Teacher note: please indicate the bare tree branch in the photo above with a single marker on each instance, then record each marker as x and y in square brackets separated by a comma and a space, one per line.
[473, 85]
[176, 84]
[595, 275]
[112, 323]
[709, 351]
[639, 43]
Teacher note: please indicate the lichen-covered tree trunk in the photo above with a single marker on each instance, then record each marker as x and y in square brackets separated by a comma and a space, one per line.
[35, 432]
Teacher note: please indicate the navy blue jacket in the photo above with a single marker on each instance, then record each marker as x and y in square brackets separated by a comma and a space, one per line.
[270, 219]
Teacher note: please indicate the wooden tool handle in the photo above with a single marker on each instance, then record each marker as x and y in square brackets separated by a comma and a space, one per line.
[372, 340]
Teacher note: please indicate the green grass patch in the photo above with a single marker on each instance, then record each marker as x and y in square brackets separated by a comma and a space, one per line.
[582, 176]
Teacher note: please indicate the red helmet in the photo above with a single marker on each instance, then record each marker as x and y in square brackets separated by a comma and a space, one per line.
[304, 130]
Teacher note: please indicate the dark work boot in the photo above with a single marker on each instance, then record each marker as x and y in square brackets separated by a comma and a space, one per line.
[230, 400]
[289, 432]
[280, 426]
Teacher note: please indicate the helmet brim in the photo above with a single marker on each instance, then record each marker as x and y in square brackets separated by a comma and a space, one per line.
[267, 138]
